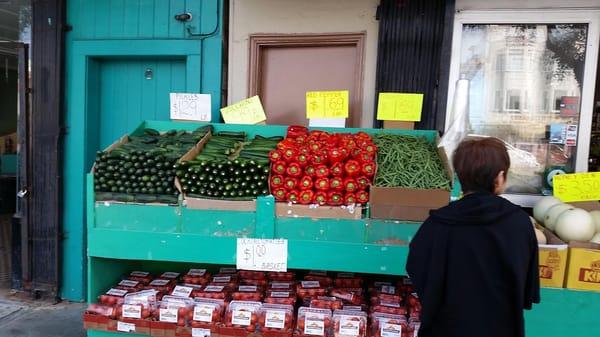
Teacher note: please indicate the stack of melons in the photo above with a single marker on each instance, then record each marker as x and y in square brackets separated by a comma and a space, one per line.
[568, 222]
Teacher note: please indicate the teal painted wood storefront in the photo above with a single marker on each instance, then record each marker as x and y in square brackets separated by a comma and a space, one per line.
[123, 58]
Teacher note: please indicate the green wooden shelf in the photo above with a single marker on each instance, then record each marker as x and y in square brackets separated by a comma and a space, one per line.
[178, 234]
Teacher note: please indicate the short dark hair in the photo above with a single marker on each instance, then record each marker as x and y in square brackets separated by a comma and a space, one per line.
[478, 161]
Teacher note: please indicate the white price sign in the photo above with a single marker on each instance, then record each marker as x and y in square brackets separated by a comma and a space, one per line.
[191, 107]
[125, 327]
[199, 332]
[262, 254]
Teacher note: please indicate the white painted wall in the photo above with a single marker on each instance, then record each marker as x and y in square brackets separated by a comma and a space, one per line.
[305, 16]
[520, 4]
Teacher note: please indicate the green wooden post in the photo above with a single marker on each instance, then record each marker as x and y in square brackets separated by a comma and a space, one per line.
[265, 217]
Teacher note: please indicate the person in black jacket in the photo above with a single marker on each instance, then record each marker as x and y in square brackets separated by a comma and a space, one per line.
[474, 263]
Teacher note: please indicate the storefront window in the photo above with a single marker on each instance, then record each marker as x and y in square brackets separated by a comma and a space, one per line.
[525, 85]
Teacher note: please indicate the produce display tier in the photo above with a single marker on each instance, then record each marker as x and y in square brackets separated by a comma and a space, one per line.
[178, 234]
[124, 237]
[562, 313]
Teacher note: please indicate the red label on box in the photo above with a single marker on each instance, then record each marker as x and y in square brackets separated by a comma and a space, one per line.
[589, 275]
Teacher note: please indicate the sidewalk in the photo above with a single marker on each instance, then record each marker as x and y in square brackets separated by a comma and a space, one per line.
[26, 318]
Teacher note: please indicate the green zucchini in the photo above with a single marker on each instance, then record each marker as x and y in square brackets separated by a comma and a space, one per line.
[151, 132]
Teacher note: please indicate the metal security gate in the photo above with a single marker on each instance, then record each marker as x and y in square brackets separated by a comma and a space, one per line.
[36, 230]
[413, 55]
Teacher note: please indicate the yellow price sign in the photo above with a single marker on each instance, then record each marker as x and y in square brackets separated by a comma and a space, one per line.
[399, 107]
[327, 104]
[248, 111]
[577, 186]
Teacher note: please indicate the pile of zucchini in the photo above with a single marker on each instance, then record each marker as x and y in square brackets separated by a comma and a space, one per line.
[143, 169]
[229, 168]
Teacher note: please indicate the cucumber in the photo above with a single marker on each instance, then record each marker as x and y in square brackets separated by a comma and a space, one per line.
[151, 132]
[123, 197]
[103, 196]
[167, 199]
[145, 198]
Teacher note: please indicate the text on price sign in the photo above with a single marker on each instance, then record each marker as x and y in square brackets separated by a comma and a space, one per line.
[262, 254]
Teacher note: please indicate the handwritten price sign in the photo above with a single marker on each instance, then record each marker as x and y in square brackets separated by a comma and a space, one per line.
[577, 186]
[399, 107]
[262, 254]
[190, 107]
[327, 104]
[248, 111]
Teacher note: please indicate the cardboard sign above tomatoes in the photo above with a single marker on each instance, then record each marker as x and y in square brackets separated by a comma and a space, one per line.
[399, 107]
[327, 104]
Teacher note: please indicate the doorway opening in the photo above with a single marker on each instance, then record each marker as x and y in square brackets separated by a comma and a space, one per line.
[15, 34]
[8, 156]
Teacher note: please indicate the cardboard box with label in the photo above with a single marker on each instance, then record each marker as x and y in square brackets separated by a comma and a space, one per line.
[584, 266]
[553, 261]
[284, 209]
[409, 204]
[583, 270]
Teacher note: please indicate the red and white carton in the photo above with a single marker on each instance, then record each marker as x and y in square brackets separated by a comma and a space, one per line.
[313, 322]
[241, 316]
[386, 325]
[349, 323]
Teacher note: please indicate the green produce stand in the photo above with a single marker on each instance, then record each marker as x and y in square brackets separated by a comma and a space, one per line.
[125, 237]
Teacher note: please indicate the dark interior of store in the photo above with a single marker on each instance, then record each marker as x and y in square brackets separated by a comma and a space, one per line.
[9, 32]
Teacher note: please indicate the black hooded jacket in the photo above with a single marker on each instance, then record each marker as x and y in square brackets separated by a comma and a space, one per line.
[474, 265]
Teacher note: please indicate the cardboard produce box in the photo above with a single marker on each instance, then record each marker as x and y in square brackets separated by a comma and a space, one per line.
[399, 125]
[553, 261]
[206, 203]
[584, 266]
[123, 140]
[285, 209]
[162, 329]
[410, 204]
[98, 322]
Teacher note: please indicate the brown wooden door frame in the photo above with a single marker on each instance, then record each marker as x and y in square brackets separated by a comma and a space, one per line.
[258, 42]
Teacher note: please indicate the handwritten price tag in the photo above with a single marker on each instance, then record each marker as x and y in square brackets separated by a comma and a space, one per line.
[327, 104]
[262, 254]
[399, 107]
[248, 111]
[125, 327]
[191, 107]
[577, 186]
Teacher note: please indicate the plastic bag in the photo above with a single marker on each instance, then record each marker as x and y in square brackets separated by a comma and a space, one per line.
[459, 120]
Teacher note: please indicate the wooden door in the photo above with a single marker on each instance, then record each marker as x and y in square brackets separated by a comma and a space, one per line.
[284, 67]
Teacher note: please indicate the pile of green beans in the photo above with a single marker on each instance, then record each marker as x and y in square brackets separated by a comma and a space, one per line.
[410, 162]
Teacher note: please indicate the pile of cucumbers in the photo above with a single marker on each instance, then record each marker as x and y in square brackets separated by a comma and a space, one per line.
[229, 168]
[143, 169]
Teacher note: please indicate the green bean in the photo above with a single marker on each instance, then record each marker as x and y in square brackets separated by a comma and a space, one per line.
[409, 161]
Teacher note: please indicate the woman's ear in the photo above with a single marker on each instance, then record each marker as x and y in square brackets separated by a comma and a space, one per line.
[500, 183]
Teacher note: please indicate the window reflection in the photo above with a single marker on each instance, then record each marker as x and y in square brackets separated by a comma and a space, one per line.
[525, 79]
